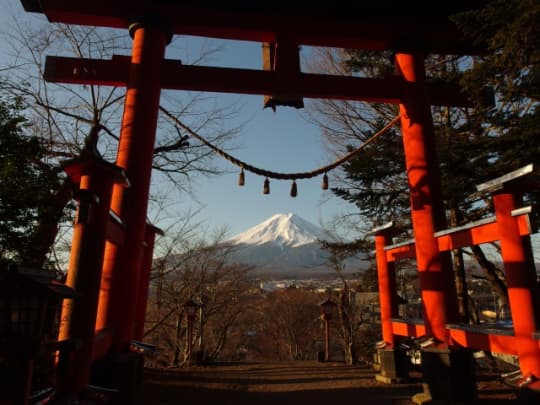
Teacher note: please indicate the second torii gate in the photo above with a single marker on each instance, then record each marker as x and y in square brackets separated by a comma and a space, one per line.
[411, 30]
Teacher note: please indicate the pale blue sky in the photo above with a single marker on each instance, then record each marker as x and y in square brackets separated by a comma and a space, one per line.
[280, 141]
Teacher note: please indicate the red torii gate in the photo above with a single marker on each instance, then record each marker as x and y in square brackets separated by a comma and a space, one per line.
[411, 30]
[512, 227]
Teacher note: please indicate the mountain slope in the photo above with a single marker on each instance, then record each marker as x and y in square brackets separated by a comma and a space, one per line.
[285, 245]
[282, 230]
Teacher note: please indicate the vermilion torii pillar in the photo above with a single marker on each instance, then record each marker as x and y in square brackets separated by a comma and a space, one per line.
[386, 276]
[427, 212]
[519, 271]
[95, 178]
[120, 281]
[392, 360]
[144, 280]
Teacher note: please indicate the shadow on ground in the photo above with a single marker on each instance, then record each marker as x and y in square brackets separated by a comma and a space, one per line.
[291, 383]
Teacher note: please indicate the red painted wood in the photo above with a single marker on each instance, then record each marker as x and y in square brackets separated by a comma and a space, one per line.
[175, 76]
[408, 329]
[78, 316]
[473, 236]
[365, 26]
[387, 288]
[436, 280]
[520, 277]
[135, 153]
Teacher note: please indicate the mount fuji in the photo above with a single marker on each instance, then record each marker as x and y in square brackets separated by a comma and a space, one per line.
[283, 246]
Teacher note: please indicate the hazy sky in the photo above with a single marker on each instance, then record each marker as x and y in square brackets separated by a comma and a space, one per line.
[279, 141]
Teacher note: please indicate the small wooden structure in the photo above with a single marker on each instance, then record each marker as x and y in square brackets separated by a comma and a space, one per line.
[511, 226]
[30, 302]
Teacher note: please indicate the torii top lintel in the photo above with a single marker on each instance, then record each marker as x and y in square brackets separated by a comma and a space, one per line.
[396, 25]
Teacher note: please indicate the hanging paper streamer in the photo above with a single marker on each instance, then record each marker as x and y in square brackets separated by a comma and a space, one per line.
[266, 187]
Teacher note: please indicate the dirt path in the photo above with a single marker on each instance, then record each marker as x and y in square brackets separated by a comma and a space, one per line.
[296, 383]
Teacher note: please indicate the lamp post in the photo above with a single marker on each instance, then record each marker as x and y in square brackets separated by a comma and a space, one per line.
[327, 308]
[191, 309]
[202, 302]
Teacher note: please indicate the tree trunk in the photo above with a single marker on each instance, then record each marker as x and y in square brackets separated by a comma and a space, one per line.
[44, 235]
[346, 327]
[459, 273]
[491, 272]
[177, 336]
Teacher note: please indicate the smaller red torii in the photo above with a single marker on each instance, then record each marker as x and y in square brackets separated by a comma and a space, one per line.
[512, 227]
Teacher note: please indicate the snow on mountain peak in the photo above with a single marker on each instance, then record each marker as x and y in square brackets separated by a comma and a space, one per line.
[281, 229]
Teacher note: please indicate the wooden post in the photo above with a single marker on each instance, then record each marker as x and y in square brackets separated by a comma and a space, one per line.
[326, 338]
[144, 281]
[135, 153]
[521, 280]
[96, 178]
[427, 212]
[454, 380]
[387, 283]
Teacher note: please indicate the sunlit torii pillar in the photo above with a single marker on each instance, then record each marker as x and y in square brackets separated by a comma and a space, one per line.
[427, 214]
[392, 359]
[386, 277]
[520, 274]
[95, 178]
[120, 281]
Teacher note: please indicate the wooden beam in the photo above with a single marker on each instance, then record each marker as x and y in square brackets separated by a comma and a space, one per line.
[404, 328]
[395, 26]
[491, 342]
[472, 337]
[475, 233]
[176, 76]
[400, 251]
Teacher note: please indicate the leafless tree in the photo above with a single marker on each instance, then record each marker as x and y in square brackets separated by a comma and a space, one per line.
[288, 325]
[71, 118]
[199, 271]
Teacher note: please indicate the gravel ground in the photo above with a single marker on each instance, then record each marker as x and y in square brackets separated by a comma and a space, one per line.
[292, 383]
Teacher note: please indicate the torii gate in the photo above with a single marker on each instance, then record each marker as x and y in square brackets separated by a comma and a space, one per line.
[411, 30]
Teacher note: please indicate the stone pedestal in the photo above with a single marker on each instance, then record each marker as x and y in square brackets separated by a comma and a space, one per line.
[127, 376]
[121, 373]
[448, 376]
[394, 366]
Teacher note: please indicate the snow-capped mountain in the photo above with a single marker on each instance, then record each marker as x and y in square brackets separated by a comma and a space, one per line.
[285, 245]
[279, 244]
[281, 229]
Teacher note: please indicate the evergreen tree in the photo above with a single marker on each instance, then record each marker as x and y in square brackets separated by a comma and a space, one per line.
[511, 67]
[26, 182]
[473, 145]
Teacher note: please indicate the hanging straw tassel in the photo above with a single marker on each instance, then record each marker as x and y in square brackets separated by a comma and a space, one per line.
[325, 182]
[241, 178]
[294, 191]
[266, 187]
